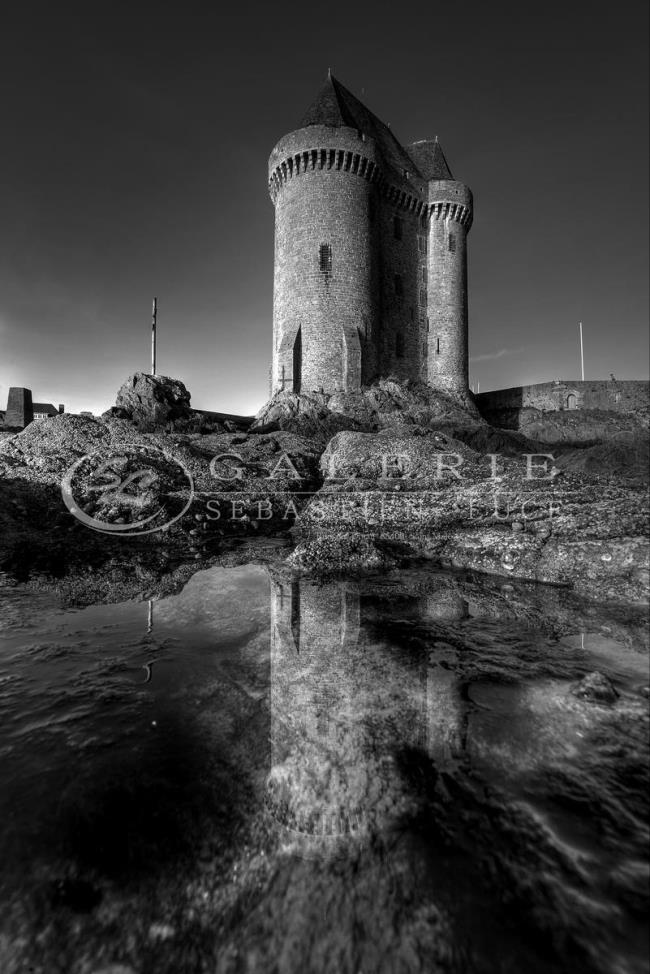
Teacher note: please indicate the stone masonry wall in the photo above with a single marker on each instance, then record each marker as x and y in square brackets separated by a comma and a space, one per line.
[400, 349]
[625, 396]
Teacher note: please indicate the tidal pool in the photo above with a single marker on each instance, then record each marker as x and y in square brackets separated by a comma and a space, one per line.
[268, 774]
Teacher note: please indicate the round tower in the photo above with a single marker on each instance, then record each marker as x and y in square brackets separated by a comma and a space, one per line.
[450, 218]
[321, 183]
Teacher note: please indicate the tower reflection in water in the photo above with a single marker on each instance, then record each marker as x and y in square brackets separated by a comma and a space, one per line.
[345, 703]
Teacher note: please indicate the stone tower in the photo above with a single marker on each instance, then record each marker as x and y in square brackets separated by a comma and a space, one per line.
[370, 271]
[449, 216]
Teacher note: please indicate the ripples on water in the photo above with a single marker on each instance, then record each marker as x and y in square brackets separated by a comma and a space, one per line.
[266, 774]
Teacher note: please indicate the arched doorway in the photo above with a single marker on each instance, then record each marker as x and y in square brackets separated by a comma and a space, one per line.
[297, 361]
[571, 401]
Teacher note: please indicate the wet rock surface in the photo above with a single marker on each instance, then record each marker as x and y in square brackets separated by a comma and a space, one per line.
[262, 772]
[597, 687]
[386, 403]
[438, 497]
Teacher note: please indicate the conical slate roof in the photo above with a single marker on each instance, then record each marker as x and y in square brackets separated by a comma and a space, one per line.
[335, 106]
[430, 160]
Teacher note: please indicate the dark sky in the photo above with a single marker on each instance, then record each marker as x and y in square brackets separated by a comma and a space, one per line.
[133, 162]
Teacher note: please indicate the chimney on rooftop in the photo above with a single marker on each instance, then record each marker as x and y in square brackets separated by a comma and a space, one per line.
[61, 407]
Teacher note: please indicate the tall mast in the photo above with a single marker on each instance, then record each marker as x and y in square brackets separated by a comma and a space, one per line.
[154, 315]
[582, 356]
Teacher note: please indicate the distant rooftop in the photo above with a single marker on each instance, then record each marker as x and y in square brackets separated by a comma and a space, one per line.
[45, 407]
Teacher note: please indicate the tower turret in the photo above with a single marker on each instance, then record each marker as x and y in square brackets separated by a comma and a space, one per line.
[450, 211]
[321, 181]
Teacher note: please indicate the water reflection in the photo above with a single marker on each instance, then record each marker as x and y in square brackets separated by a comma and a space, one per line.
[346, 701]
[394, 703]
[335, 702]
[382, 771]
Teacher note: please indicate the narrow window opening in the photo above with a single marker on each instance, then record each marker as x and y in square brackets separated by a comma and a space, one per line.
[423, 275]
[437, 346]
[397, 228]
[423, 296]
[452, 243]
[422, 245]
[325, 260]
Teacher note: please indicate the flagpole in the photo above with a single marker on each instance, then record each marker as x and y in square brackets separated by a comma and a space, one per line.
[154, 315]
[582, 355]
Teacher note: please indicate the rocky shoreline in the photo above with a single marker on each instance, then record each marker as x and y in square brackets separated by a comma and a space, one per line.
[351, 482]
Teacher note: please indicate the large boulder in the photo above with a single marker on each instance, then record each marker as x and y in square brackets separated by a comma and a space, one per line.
[412, 455]
[596, 687]
[151, 400]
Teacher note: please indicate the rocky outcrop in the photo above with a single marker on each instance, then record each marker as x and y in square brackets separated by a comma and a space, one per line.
[364, 481]
[151, 400]
[402, 455]
[595, 687]
[385, 404]
[242, 485]
[437, 497]
[626, 458]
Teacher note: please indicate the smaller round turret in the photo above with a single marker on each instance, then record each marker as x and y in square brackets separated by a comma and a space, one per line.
[450, 210]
